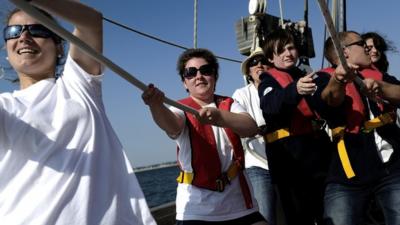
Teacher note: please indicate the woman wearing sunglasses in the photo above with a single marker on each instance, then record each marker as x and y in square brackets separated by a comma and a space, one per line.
[212, 188]
[298, 148]
[255, 157]
[61, 162]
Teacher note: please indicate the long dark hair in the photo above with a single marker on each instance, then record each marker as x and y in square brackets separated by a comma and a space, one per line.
[382, 46]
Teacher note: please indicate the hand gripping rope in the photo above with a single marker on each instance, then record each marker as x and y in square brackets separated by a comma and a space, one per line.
[337, 45]
[339, 131]
[335, 40]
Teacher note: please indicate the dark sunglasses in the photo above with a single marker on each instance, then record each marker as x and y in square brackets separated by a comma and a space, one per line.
[206, 70]
[35, 30]
[256, 60]
[360, 43]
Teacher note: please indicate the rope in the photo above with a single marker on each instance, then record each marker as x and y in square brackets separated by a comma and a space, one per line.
[160, 40]
[323, 49]
[66, 35]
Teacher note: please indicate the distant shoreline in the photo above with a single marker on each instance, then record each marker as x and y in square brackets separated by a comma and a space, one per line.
[153, 167]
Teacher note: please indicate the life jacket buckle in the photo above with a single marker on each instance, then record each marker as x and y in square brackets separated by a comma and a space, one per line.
[318, 124]
[222, 181]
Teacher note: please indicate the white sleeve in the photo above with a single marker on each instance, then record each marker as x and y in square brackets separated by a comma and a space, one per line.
[236, 107]
[181, 114]
[76, 77]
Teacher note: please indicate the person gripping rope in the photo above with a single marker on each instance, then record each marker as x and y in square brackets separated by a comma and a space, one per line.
[366, 162]
[61, 162]
[255, 156]
[212, 186]
[298, 148]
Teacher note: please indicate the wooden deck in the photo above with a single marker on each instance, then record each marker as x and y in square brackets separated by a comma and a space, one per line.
[164, 214]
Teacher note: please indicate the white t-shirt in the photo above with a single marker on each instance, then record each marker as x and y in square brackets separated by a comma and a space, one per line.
[255, 147]
[193, 203]
[385, 150]
[61, 162]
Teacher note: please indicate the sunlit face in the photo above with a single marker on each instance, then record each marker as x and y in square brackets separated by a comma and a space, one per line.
[257, 66]
[201, 86]
[356, 54]
[373, 52]
[31, 57]
[287, 58]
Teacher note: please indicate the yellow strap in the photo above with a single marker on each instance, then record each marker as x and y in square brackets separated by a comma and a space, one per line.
[338, 131]
[276, 135]
[378, 122]
[344, 158]
[187, 177]
[233, 171]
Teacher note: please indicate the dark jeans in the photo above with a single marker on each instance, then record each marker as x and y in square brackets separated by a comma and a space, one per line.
[263, 192]
[346, 205]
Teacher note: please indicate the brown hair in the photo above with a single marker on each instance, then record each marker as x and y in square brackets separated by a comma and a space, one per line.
[57, 39]
[276, 42]
[197, 53]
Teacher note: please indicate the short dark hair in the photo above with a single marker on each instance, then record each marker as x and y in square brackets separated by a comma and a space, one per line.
[197, 53]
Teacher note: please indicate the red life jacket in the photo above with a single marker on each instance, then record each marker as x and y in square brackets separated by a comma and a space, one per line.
[301, 121]
[375, 74]
[205, 159]
[354, 107]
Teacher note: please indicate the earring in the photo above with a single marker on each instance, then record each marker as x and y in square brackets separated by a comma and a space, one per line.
[59, 56]
[7, 58]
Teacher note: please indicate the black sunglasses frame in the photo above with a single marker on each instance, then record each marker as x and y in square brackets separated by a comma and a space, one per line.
[35, 30]
[360, 43]
[257, 59]
[205, 70]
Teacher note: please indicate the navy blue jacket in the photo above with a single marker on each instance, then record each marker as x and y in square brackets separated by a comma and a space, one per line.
[295, 158]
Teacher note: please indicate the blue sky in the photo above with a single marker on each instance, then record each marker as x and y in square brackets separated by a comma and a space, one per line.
[154, 62]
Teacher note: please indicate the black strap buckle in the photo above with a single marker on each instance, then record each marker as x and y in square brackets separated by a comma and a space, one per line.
[318, 124]
[221, 182]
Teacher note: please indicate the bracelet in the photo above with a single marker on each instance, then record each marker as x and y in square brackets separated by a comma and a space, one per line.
[343, 81]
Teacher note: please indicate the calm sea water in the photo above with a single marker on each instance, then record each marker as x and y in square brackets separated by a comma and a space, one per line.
[159, 185]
